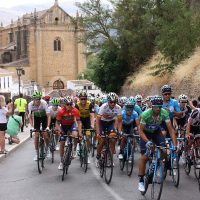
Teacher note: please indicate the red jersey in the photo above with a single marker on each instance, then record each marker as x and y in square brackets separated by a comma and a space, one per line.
[67, 117]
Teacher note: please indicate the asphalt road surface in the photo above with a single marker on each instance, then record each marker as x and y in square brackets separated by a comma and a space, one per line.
[20, 180]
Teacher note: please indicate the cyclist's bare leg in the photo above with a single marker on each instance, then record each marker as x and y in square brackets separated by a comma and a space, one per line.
[62, 146]
[142, 165]
[36, 140]
[100, 146]
[112, 145]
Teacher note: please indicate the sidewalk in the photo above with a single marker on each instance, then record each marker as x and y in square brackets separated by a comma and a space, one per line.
[24, 136]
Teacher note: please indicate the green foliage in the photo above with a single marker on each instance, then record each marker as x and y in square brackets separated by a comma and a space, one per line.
[126, 36]
[110, 70]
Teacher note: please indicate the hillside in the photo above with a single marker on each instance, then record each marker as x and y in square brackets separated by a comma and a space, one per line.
[185, 78]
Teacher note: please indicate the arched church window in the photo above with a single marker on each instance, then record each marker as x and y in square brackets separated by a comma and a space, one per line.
[57, 45]
[58, 85]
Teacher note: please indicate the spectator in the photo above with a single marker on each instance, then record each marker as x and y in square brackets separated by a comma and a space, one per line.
[21, 105]
[4, 113]
[13, 127]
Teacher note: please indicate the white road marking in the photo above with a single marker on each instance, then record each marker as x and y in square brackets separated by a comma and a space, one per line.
[105, 186]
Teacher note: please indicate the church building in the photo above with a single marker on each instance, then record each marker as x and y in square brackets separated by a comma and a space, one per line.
[46, 44]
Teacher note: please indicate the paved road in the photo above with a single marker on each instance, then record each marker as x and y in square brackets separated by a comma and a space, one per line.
[19, 180]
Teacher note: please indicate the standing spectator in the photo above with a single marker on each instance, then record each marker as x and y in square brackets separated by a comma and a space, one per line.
[4, 113]
[21, 105]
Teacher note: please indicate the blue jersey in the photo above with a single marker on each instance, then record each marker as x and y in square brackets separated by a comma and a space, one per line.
[171, 106]
[129, 120]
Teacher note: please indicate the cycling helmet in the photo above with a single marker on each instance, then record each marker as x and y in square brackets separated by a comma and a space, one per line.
[157, 101]
[129, 104]
[166, 88]
[55, 102]
[131, 100]
[104, 100]
[92, 100]
[183, 97]
[138, 97]
[47, 98]
[122, 100]
[37, 95]
[67, 100]
[82, 94]
[112, 97]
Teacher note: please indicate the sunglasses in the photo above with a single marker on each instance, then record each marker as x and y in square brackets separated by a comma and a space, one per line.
[183, 101]
[167, 94]
[83, 99]
[157, 106]
[68, 104]
[38, 99]
[112, 102]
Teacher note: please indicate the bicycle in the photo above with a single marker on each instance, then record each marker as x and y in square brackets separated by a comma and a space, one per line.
[67, 155]
[92, 141]
[106, 159]
[41, 149]
[172, 163]
[155, 172]
[83, 151]
[128, 156]
[192, 157]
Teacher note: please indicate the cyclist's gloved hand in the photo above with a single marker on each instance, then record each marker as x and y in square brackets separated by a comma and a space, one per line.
[47, 129]
[148, 144]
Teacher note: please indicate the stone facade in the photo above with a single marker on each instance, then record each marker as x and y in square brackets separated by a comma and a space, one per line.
[46, 45]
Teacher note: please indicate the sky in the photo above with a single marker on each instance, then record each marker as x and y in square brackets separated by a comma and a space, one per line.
[11, 9]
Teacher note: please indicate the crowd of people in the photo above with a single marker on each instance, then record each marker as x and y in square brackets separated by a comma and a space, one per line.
[153, 118]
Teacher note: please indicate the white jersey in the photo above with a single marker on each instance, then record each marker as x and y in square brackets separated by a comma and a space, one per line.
[53, 113]
[3, 112]
[40, 110]
[109, 114]
[195, 116]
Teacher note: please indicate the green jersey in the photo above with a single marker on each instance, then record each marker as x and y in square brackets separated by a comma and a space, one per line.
[152, 124]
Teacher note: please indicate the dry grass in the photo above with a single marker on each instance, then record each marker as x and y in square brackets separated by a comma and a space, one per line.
[144, 81]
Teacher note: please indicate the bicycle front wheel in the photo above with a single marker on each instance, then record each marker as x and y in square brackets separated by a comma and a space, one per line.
[66, 162]
[130, 160]
[157, 182]
[175, 171]
[40, 156]
[108, 166]
[187, 163]
[85, 158]
[52, 146]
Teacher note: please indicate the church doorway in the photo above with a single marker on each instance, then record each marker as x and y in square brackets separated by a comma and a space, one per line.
[58, 84]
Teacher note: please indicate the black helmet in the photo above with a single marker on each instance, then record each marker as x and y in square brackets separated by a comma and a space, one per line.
[157, 101]
[82, 94]
[166, 88]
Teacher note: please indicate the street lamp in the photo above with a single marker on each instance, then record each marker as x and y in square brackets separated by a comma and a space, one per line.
[20, 71]
[33, 85]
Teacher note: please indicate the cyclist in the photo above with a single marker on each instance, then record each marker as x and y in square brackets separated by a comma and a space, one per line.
[129, 121]
[53, 110]
[86, 110]
[66, 120]
[150, 129]
[136, 108]
[193, 129]
[147, 104]
[47, 99]
[171, 105]
[39, 114]
[138, 99]
[109, 114]
[185, 108]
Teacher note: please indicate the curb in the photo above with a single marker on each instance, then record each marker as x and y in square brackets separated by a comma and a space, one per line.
[14, 148]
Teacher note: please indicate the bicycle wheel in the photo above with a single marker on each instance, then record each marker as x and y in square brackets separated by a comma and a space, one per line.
[108, 166]
[101, 167]
[66, 162]
[196, 169]
[122, 164]
[175, 171]
[146, 184]
[85, 158]
[130, 160]
[187, 163]
[40, 155]
[157, 182]
[52, 145]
